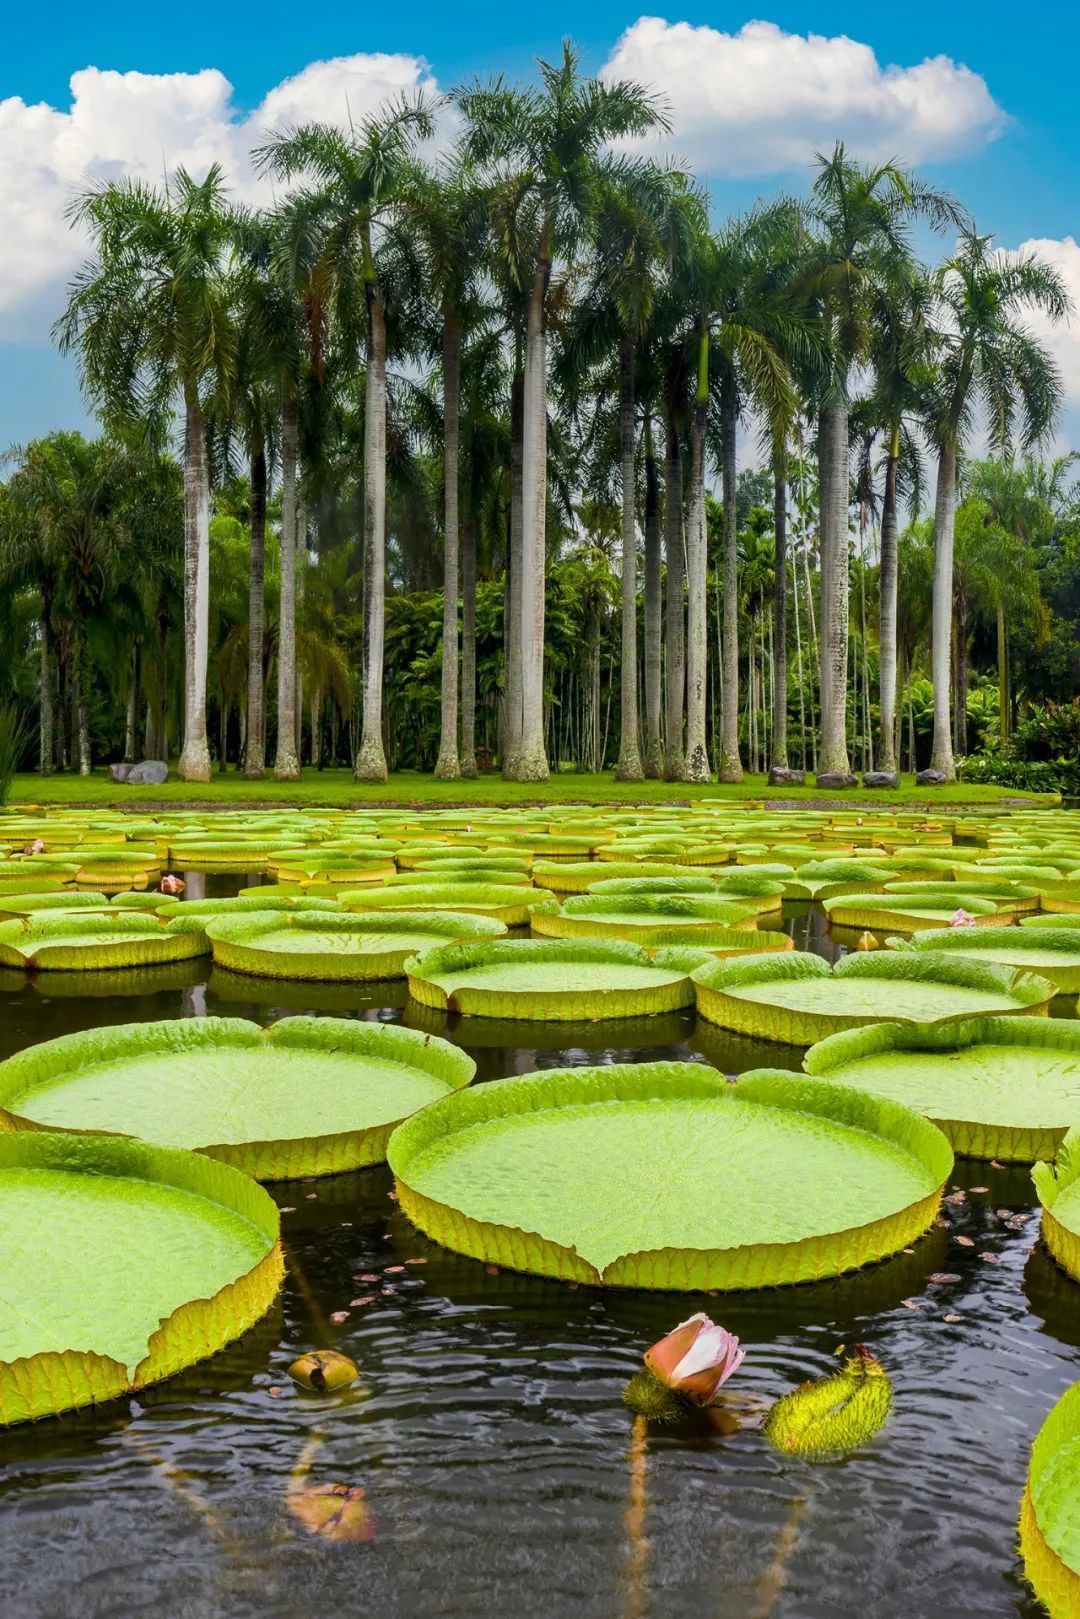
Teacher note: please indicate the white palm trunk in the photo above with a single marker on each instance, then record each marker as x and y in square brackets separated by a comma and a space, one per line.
[629, 767]
[833, 457]
[511, 740]
[255, 734]
[371, 756]
[696, 764]
[195, 757]
[729, 767]
[941, 757]
[531, 763]
[448, 764]
[674, 607]
[779, 752]
[468, 646]
[887, 617]
[287, 762]
[654, 750]
[45, 710]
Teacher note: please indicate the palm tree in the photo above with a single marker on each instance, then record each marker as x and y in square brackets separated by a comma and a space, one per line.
[151, 319]
[862, 215]
[551, 137]
[987, 358]
[360, 179]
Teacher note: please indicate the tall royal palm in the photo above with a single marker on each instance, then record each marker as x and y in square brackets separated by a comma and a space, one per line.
[987, 358]
[862, 216]
[359, 178]
[550, 137]
[151, 320]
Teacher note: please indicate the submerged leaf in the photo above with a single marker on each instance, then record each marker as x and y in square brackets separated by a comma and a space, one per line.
[333, 1511]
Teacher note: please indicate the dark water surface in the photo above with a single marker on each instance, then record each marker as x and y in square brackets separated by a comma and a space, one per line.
[502, 1472]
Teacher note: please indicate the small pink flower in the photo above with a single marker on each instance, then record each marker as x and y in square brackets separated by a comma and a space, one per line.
[171, 884]
[36, 847]
[696, 1359]
[961, 919]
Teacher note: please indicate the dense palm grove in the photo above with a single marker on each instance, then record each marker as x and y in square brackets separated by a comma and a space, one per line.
[457, 477]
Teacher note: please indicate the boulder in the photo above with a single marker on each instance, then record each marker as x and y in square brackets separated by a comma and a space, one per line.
[835, 778]
[120, 772]
[931, 778]
[780, 776]
[150, 773]
[880, 778]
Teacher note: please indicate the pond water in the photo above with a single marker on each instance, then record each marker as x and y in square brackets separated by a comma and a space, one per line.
[501, 1470]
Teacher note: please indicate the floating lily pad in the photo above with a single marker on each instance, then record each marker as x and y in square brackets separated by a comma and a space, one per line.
[71, 902]
[266, 898]
[644, 918]
[1049, 1521]
[1058, 1186]
[123, 1263]
[1005, 1088]
[307, 1096]
[798, 998]
[342, 946]
[774, 1179]
[553, 980]
[904, 913]
[74, 942]
[1054, 953]
[504, 902]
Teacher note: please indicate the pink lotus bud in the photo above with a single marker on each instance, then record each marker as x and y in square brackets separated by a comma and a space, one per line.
[961, 919]
[36, 847]
[696, 1359]
[171, 884]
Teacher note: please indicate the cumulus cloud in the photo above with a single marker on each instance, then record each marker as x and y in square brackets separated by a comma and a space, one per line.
[142, 124]
[760, 101]
[1063, 341]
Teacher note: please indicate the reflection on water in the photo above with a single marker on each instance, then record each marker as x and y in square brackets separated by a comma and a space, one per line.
[502, 1471]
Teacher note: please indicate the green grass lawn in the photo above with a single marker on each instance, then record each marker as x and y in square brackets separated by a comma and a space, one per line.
[337, 788]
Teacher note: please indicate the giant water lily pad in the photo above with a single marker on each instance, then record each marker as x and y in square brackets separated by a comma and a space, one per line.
[1058, 1186]
[664, 1175]
[1005, 1088]
[88, 943]
[507, 903]
[554, 980]
[341, 946]
[904, 913]
[308, 1096]
[1049, 1515]
[798, 998]
[644, 918]
[1053, 953]
[123, 1263]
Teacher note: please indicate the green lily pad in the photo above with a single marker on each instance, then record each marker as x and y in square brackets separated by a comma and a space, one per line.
[774, 1179]
[342, 946]
[123, 1263]
[1005, 1088]
[307, 1096]
[507, 903]
[74, 942]
[1049, 1517]
[798, 999]
[1058, 1186]
[644, 918]
[904, 913]
[553, 980]
[1053, 953]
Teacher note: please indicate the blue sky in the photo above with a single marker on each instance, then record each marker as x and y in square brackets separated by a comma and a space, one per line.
[1009, 152]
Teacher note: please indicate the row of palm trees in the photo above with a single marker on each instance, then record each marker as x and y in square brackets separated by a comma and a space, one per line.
[557, 315]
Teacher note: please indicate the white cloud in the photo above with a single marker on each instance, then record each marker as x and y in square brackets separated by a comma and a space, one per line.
[761, 101]
[142, 124]
[1063, 340]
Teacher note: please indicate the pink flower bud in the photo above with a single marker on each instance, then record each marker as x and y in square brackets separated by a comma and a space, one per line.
[961, 919]
[171, 884]
[696, 1359]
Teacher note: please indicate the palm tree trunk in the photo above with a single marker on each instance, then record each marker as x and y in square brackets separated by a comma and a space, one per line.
[371, 756]
[941, 757]
[512, 619]
[779, 759]
[629, 767]
[287, 762]
[833, 473]
[696, 767]
[467, 757]
[195, 757]
[316, 725]
[45, 709]
[255, 743]
[960, 707]
[1003, 674]
[654, 750]
[80, 721]
[531, 761]
[729, 768]
[675, 608]
[448, 764]
[887, 618]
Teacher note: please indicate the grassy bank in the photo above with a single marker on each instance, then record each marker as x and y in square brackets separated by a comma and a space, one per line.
[336, 788]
